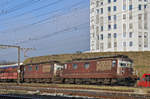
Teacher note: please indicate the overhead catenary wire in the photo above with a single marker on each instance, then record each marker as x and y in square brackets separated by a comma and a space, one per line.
[37, 22]
[46, 20]
[110, 4]
[18, 7]
[68, 38]
[33, 10]
[37, 39]
[44, 14]
[6, 2]
[80, 26]
[56, 33]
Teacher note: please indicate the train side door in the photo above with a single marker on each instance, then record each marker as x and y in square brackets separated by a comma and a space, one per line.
[144, 81]
[147, 78]
[114, 66]
[57, 73]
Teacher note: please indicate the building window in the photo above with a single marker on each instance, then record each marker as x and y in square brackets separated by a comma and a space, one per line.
[109, 9]
[97, 37]
[101, 10]
[86, 65]
[124, 7]
[145, 6]
[109, 35]
[130, 34]
[124, 16]
[130, 26]
[145, 39]
[139, 21]
[140, 45]
[97, 29]
[115, 8]
[109, 44]
[115, 26]
[97, 11]
[140, 17]
[109, 1]
[97, 19]
[101, 37]
[145, 35]
[140, 36]
[124, 44]
[115, 17]
[130, 43]
[101, 46]
[145, 20]
[109, 18]
[97, 3]
[115, 35]
[130, 7]
[75, 66]
[140, 7]
[102, 28]
[115, 44]
[109, 27]
[130, 15]
[124, 30]
[124, 34]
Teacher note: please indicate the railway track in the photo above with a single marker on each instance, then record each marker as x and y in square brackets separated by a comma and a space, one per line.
[70, 91]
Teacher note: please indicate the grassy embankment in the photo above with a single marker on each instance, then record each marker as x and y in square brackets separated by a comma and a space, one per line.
[141, 59]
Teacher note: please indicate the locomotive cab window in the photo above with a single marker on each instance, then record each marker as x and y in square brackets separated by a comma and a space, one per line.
[123, 64]
[24, 68]
[30, 68]
[36, 67]
[114, 63]
[147, 77]
[75, 66]
[86, 65]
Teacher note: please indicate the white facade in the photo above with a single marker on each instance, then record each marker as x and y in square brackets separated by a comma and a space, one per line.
[119, 25]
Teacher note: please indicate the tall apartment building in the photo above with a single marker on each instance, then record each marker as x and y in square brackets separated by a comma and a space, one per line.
[119, 25]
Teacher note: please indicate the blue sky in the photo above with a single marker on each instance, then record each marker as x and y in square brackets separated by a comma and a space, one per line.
[49, 26]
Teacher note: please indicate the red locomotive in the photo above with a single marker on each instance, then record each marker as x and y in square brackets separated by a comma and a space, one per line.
[144, 81]
[101, 70]
[45, 72]
[108, 70]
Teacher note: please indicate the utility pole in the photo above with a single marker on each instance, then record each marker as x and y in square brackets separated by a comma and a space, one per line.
[19, 48]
